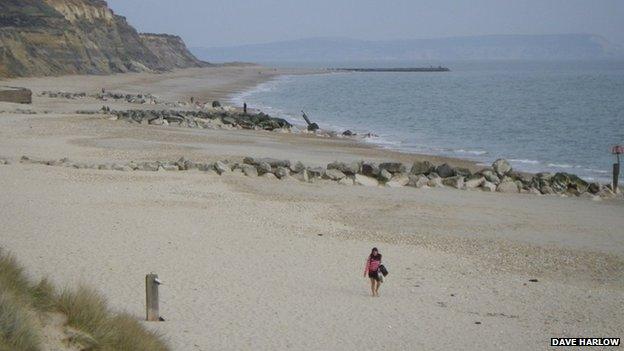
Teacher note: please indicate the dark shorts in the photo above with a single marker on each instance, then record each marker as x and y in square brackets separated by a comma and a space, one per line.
[374, 275]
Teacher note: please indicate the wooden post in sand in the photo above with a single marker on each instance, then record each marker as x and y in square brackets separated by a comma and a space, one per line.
[151, 297]
[617, 150]
[616, 174]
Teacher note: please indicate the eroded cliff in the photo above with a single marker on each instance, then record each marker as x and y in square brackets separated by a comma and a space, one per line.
[170, 50]
[54, 37]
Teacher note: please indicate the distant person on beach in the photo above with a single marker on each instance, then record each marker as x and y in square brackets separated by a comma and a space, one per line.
[244, 107]
[372, 270]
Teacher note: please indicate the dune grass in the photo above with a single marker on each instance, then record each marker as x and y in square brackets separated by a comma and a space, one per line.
[87, 311]
[22, 303]
[18, 326]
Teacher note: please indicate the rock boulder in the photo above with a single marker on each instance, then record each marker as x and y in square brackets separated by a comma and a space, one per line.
[490, 176]
[435, 181]
[365, 180]
[297, 167]
[393, 167]
[456, 182]
[464, 172]
[384, 175]
[148, 166]
[316, 172]
[370, 169]
[346, 181]
[263, 168]
[398, 181]
[508, 187]
[417, 180]
[422, 167]
[474, 182]
[594, 188]
[273, 162]
[346, 168]
[444, 170]
[488, 186]
[334, 174]
[249, 170]
[501, 167]
[282, 172]
[222, 167]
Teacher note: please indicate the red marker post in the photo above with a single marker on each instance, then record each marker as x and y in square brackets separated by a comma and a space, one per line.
[617, 150]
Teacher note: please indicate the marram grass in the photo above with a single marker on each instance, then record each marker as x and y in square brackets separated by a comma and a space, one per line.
[18, 326]
[22, 303]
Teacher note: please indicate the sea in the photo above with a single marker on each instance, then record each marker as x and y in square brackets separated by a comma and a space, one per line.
[542, 116]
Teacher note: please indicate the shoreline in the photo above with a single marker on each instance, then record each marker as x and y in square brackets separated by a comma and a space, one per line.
[401, 155]
[228, 93]
[131, 83]
[234, 87]
[472, 163]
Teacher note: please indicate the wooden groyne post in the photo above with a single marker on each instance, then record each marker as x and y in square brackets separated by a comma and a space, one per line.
[617, 150]
[151, 297]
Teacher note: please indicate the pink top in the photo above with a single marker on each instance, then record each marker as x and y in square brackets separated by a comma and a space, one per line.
[372, 265]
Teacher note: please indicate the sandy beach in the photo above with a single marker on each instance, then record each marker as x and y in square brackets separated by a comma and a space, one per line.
[250, 263]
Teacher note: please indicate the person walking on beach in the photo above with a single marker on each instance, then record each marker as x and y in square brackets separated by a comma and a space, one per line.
[372, 270]
[244, 107]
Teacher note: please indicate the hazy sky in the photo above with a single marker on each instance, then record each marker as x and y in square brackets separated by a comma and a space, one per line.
[233, 22]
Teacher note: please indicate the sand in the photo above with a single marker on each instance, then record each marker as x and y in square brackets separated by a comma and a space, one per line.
[252, 263]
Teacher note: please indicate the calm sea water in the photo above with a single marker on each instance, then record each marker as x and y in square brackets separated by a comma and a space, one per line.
[542, 116]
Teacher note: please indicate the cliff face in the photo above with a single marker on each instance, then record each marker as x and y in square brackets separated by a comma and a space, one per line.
[54, 37]
[170, 50]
